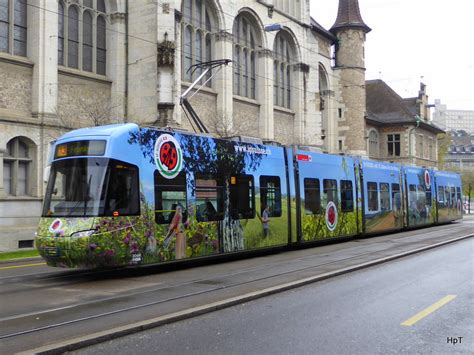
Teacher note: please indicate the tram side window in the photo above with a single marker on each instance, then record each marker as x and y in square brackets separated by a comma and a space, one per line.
[242, 197]
[270, 195]
[428, 197]
[123, 195]
[441, 199]
[347, 197]
[412, 197]
[396, 197]
[453, 196]
[209, 198]
[373, 196]
[169, 195]
[421, 199]
[447, 197]
[330, 190]
[384, 196]
[312, 196]
[458, 190]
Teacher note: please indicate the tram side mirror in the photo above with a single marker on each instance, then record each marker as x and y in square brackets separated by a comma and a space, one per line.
[46, 173]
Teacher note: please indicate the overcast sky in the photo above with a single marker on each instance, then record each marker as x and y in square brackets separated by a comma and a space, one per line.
[417, 40]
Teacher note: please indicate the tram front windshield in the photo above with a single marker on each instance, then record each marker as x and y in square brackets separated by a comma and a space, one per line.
[89, 187]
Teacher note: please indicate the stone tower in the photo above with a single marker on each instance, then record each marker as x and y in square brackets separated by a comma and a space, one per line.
[350, 31]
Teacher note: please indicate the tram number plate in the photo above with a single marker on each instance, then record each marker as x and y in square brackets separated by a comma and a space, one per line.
[136, 258]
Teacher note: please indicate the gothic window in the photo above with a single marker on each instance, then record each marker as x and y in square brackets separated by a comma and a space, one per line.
[197, 42]
[283, 54]
[13, 26]
[82, 35]
[17, 168]
[373, 144]
[244, 61]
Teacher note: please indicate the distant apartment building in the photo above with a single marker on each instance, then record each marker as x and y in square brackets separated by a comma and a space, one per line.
[453, 120]
[460, 154]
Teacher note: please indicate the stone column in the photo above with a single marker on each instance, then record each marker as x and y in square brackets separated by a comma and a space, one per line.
[224, 80]
[2, 188]
[117, 65]
[43, 51]
[166, 54]
[265, 94]
[298, 90]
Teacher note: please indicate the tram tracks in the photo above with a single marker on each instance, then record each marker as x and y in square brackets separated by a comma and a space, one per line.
[218, 283]
[176, 292]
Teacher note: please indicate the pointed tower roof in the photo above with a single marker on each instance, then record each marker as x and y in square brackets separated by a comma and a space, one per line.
[349, 16]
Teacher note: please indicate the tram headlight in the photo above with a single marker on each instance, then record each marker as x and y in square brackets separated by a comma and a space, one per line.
[83, 234]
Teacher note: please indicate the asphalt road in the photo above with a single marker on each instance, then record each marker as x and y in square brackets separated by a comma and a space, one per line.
[357, 313]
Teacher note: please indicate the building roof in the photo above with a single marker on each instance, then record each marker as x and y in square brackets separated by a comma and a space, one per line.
[315, 26]
[384, 106]
[348, 16]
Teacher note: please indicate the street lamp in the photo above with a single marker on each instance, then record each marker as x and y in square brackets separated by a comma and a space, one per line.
[273, 27]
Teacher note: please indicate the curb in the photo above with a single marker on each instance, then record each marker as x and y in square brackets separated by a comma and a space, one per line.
[106, 335]
[16, 260]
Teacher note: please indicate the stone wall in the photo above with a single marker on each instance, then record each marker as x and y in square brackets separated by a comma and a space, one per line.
[284, 127]
[204, 103]
[15, 88]
[83, 101]
[246, 117]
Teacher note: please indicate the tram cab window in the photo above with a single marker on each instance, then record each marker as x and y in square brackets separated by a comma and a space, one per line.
[396, 197]
[441, 198]
[209, 198]
[330, 190]
[169, 195]
[458, 190]
[312, 196]
[242, 197]
[372, 196]
[123, 197]
[270, 195]
[384, 196]
[347, 196]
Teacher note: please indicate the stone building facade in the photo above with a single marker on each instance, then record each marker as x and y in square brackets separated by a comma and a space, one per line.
[399, 129]
[66, 64]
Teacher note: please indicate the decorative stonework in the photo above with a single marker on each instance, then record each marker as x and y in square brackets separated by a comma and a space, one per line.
[166, 53]
[224, 36]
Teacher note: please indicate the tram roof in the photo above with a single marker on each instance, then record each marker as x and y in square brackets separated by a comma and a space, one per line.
[108, 130]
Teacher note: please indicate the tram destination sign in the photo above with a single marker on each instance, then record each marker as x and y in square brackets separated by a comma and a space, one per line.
[80, 148]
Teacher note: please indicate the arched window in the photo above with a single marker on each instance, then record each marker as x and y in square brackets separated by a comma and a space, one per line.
[17, 167]
[373, 144]
[82, 35]
[244, 58]
[196, 36]
[283, 54]
[13, 26]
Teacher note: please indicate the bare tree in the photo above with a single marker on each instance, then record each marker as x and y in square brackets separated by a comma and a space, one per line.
[90, 110]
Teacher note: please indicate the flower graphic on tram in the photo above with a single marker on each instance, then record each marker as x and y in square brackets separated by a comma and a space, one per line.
[331, 216]
[55, 227]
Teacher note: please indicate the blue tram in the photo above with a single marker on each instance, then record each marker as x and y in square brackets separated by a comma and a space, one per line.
[126, 195]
